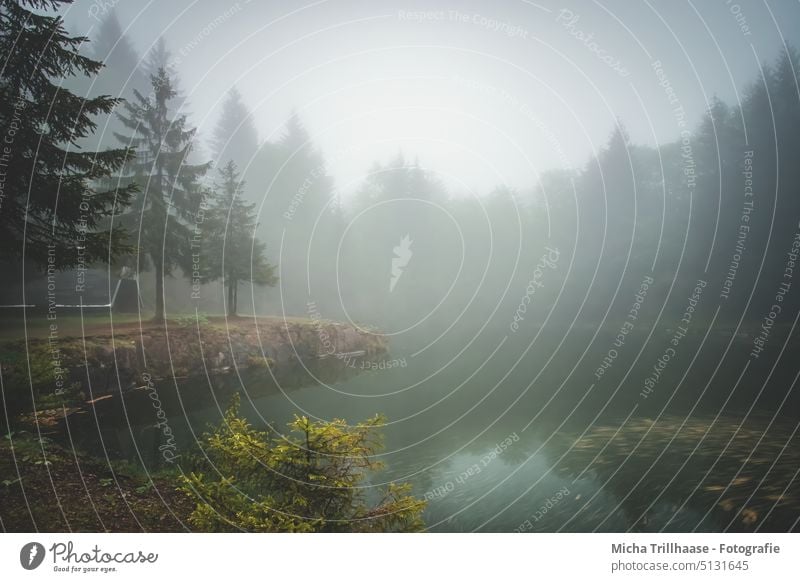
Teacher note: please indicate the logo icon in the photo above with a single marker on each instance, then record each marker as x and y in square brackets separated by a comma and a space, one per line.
[31, 555]
[402, 254]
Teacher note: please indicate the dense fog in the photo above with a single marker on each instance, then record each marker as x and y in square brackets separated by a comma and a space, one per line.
[566, 222]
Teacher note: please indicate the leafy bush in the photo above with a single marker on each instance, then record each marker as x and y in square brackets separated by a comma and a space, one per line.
[309, 480]
[27, 365]
[29, 374]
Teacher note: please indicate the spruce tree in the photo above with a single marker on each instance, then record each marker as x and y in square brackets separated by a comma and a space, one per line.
[236, 255]
[159, 57]
[51, 207]
[163, 213]
[121, 75]
[235, 137]
[111, 46]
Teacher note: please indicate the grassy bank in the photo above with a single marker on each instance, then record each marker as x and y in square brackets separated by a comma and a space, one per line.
[63, 367]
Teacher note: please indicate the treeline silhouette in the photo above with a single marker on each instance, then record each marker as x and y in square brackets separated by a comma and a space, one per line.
[717, 206]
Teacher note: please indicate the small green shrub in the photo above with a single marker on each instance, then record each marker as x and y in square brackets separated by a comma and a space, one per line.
[308, 480]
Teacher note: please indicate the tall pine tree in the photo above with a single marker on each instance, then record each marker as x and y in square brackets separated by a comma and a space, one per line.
[236, 255]
[159, 57]
[235, 137]
[121, 75]
[170, 192]
[50, 208]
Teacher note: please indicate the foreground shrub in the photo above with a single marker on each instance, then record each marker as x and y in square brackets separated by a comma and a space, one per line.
[312, 479]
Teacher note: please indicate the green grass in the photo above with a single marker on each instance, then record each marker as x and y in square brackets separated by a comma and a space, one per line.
[13, 327]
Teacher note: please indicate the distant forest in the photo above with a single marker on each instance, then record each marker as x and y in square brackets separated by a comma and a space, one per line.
[719, 203]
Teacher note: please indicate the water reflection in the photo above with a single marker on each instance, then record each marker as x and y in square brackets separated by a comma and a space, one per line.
[670, 475]
[473, 454]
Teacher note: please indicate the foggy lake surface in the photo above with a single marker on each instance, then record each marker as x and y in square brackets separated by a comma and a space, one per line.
[495, 443]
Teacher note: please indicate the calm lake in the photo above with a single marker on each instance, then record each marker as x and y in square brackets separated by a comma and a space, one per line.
[513, 432]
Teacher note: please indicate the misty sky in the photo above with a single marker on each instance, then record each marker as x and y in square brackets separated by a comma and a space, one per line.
[482, 92]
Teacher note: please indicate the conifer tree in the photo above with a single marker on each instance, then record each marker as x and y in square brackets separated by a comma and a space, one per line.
[50, 203]
[170, 192]
[235, 137]
[236, 255]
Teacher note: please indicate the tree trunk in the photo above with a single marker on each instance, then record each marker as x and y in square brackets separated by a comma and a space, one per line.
[233, 297]
[159, 268]
[232, 287]
[158, 261]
